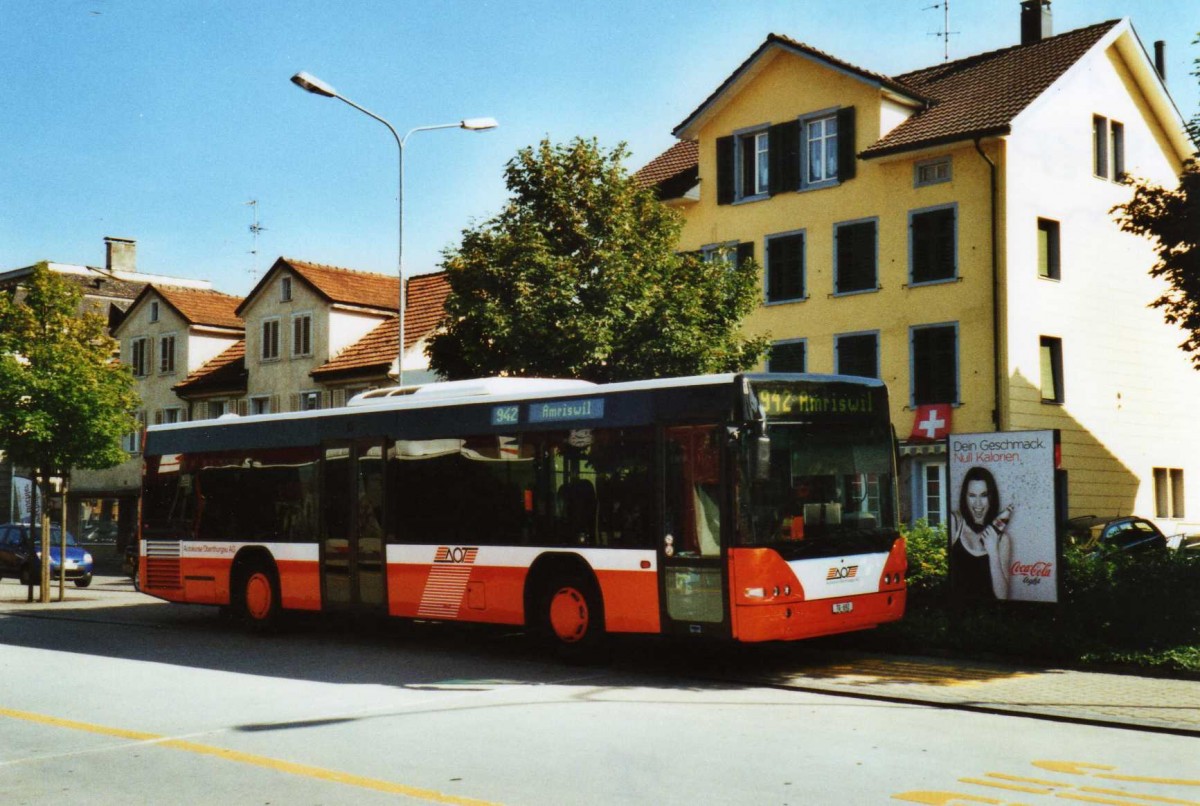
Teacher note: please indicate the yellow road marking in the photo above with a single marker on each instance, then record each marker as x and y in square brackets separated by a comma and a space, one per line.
[1144, 780]
[1040, 790]
[266, 762]
[1151, 798]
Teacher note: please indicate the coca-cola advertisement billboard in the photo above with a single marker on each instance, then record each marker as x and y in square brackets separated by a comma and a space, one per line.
[1002, 536]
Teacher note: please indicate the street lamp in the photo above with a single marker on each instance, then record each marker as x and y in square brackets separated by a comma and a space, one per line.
[318, 87]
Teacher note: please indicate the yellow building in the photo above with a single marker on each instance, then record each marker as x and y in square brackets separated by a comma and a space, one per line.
[949, 231]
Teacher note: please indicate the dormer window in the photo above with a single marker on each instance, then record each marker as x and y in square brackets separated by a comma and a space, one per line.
[808, 152]
[756, 172]
[285, 289]
[821, 136]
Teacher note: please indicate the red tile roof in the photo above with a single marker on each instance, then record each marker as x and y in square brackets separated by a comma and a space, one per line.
[973, 97]
[225, 373]
[981, 95]
[425, 304]
[426, 297]
[350, 287]
[338, 285]
[200, 307]
[681, 157]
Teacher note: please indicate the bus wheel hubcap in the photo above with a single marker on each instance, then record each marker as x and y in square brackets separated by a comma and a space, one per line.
[569, 615]
[258, 596]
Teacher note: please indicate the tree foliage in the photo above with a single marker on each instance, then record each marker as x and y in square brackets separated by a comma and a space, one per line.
[64, 401]
[1170, 218]
[579, 277]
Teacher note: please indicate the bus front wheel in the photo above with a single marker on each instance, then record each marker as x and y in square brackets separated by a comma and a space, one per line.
[258, 592]
[573, 617]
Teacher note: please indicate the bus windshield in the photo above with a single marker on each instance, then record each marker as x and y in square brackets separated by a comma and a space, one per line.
[825, 482]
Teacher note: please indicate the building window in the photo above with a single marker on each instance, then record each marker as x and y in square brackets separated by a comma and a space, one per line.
[260, 405]
[785, 267]
[788, 356]
[1117, 140]
[931, 492]
[724, 252]
[931, 172]
[730, 252]
[934, 362]
[857, 354]
[933, 245]
[821, 150]
[132, 443]
[167, 416]
[855, 257]
[219, 408]
[302, 335]
[154, 311]
[166, 354]
[270, 339]
[285, 289]
[1100, 146]
[1108, 148]
[1052, 370]
[744, 165]
[139, 356]
[755, 164]
[308, 401]
[1168, 492]
[1049, 261]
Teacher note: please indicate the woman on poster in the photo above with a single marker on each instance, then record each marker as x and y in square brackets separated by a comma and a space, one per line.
[980, 545]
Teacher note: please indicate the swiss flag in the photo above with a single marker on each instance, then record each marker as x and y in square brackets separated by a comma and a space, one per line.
[932, 421]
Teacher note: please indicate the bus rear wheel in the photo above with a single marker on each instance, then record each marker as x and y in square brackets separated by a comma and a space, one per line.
[258, 596]
[573, 618]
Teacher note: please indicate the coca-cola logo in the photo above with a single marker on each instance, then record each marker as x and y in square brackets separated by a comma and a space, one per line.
[1033, 573]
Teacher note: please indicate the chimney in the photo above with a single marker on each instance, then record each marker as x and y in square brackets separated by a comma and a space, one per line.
[1160, 59]
[1036, 23]
[120, 254]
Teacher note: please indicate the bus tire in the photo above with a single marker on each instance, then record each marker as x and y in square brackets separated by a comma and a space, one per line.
[257, 594]
[572, 617]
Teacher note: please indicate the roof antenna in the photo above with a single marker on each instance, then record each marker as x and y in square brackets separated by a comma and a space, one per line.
[945, 33]
[255, 228]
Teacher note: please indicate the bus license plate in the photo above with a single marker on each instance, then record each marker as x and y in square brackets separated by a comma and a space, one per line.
[843, 607]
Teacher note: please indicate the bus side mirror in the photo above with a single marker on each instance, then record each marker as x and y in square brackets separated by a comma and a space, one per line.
[762, 457]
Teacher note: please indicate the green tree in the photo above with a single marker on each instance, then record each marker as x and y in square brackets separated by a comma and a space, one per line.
[65, 402]
[1170, 218]
[579, 277]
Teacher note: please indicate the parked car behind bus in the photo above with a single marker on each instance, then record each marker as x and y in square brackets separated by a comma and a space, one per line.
[21, 554]
[1127, 534]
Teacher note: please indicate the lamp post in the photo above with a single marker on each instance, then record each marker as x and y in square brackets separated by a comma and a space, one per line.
[318, 87]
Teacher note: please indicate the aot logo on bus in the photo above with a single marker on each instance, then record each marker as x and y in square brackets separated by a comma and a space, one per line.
[842, 573]
[457, 554]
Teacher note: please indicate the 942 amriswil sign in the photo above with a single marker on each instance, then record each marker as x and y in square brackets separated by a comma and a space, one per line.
[1003, 538]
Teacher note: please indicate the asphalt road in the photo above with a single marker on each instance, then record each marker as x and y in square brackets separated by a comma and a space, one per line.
[116, 698]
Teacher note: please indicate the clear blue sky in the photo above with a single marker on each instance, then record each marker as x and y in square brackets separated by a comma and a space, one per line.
[158, 119]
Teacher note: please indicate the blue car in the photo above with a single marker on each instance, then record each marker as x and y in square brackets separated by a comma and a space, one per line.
[21, 555]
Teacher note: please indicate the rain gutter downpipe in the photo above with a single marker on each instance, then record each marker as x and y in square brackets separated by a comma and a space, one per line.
[995, 286]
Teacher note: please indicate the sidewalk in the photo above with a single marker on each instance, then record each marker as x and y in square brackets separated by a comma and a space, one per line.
[105, 591]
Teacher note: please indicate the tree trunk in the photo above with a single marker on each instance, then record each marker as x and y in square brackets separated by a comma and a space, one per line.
[43, 482]
[62, 549]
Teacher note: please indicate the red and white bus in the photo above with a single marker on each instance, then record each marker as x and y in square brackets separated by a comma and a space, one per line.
[751, 507]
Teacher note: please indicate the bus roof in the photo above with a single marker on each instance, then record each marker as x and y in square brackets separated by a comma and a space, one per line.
[485, 392]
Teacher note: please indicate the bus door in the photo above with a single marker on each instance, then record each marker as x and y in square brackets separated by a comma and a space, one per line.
[691, 553]
[352, 536]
